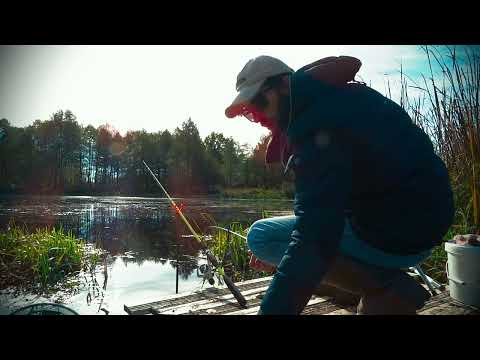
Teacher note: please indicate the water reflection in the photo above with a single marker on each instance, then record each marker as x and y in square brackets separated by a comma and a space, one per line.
[142, 237]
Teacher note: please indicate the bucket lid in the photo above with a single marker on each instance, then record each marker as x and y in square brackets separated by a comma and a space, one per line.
[453, 248]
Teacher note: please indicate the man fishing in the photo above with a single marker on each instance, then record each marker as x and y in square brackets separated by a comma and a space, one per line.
[371, 196]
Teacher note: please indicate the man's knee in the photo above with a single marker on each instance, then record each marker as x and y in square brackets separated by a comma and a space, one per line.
[256, 237]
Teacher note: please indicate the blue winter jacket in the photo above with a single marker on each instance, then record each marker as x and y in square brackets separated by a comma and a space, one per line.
[359, 156]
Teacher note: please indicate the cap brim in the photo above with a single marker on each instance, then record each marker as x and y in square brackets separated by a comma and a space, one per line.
[245, 96]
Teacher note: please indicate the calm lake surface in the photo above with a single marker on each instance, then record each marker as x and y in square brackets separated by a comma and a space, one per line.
[143, 239]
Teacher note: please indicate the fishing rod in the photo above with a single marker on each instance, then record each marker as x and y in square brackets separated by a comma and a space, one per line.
[231, 286]
[230, 231]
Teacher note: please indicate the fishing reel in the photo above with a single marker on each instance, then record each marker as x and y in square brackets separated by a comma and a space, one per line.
[208, 272]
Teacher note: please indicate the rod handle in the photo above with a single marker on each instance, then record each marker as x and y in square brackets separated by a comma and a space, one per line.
[236, 293]
[231, 286]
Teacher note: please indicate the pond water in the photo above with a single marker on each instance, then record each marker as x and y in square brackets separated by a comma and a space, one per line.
[143, 240]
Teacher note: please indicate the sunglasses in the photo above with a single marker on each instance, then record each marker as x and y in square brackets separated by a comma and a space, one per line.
[260, 100]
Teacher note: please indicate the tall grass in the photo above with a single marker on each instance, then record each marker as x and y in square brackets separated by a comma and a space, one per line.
[447, 108]
[44, 256]
[232, 251]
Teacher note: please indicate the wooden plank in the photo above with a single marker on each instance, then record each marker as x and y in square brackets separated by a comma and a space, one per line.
[184, 298]
[446, 309]
[436, 300]
[322, 308]
[341, 312]
[449, 307]
[315, 300]
[250, 311]
[206, 304]
[226, 308]
[219, 301]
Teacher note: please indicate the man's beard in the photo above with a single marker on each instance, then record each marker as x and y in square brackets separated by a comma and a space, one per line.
[277, 147]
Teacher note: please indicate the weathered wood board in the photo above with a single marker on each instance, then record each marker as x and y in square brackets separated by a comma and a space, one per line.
[219, 301]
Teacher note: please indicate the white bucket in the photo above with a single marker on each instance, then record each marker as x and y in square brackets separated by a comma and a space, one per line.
[463, 272]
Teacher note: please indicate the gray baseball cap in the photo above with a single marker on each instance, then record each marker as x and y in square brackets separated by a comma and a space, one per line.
[251, 79]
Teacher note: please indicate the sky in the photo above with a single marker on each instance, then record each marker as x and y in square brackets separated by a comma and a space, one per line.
[157, 87]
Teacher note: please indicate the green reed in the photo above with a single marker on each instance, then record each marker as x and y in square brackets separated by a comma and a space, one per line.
[44, 255]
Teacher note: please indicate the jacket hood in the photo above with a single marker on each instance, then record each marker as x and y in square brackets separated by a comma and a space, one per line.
[307, 83]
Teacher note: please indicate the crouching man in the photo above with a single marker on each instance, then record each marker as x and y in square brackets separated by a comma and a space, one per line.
[371, 196]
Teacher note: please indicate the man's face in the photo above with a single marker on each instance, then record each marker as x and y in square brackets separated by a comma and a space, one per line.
[275, 105]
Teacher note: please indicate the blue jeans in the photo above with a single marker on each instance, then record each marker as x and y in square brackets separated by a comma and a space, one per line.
[268, 239]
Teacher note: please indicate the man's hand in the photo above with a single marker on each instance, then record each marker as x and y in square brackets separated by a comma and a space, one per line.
[259, 265]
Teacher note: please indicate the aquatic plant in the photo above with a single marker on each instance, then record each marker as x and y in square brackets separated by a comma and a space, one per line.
[232, 251]
[43, 256]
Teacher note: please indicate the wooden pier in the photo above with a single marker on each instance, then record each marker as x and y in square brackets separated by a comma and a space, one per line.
[219, 301]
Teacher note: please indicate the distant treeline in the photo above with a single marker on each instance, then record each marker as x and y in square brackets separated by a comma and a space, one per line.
[60, 156]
